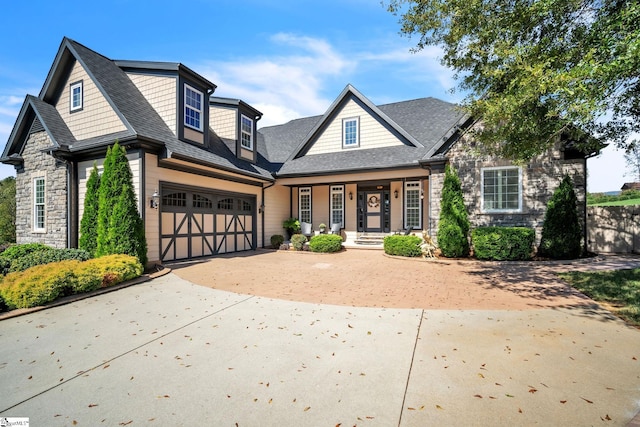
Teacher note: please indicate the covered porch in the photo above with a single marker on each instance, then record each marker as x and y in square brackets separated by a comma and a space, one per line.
[367, 209]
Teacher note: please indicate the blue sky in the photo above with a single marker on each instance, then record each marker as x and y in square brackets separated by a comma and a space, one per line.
[287, 58]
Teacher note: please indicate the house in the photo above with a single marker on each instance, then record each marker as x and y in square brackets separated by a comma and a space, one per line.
[630, 186]
[209, 181]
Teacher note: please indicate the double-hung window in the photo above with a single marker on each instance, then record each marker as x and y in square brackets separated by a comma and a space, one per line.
[75, 96]
[246, 131]
[412, 205]
[304, 204]
[337, 205]
[38, 204]
[502, 189]
[192, 107]
[350, 132]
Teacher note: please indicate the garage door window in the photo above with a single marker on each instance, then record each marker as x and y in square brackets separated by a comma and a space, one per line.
[226, 204]
[202, 202]
[175, 199]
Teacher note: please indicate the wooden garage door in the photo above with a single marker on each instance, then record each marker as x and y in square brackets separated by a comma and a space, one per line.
[195, 224]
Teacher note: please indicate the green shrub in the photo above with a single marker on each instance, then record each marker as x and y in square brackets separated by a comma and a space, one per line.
[452, 241]
[326, 243]
[116, 268]
[19, 251]
[38, 285]
[503, 243]
[453, 228]
[46, 257]
[89, 223]
[561, 230]
[277, 240]
[42, 284]
[5, 266]
[298, 241]
[400, 245]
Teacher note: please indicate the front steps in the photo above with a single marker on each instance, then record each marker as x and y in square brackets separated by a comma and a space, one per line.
[365, 240]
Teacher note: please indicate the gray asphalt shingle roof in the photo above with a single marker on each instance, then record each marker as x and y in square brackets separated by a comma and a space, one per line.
[429, 120]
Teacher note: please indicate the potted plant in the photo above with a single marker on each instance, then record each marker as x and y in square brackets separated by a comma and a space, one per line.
[292, 226]
[323, 227]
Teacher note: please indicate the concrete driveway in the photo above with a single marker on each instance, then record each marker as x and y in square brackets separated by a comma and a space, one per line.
[172, 352]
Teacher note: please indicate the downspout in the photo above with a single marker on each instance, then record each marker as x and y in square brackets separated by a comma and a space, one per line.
[70, 193]
[262, 209]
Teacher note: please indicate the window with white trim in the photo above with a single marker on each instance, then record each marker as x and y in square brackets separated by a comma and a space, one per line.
[75, 96]
[412, 205]
[246, 131]
[337, 205]
[350, 132]
[304, 204]
[192, 107]
[502, 189]
[38, 204]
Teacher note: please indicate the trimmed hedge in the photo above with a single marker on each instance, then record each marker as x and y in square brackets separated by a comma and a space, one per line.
[326, 243]
[47, 256]
[503, 243]
[298, 241]
[19, 251]
[42, 284]
[400, 245]
[277, 240]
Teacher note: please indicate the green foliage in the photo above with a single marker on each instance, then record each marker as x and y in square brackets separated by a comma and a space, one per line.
[620, 289]
[277, 240]
[8, 210]
[535, 69]
[401, 245]
[292, 225]
[632, 158]
[38, 285]
[604, 199]
[42, 284]
[120, 228]
[326, 243]
[47, 256]
[126, 229]
[89, 224]
[561, 231]
[453, 227]
[298, 241]
[5, 266]
[503, 243]
[20, 251]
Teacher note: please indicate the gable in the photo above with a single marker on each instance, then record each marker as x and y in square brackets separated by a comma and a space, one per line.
[373, 133]
[160, 92]
[96, 117]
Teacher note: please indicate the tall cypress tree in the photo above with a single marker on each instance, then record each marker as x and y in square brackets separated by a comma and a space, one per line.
[120, 228]
[561, 230]
[453, 227]
[89, 224]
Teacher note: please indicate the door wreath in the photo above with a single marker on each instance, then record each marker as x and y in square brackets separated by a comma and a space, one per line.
[373, 202]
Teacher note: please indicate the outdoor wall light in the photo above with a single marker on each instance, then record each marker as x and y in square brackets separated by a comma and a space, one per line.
[350, 195]
[395, 194]
[154, 202]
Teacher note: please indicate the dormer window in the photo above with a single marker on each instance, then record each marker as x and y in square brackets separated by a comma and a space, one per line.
[246, 132]
[192, 108]
[75, 96]
[350, 132]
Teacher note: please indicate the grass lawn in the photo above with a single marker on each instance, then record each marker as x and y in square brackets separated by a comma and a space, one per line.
[619, 203]
[618, 290]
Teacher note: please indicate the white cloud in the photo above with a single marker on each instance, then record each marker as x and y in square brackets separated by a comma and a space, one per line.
[284, 86]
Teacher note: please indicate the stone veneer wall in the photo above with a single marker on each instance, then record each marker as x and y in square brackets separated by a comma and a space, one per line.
[540, 178]
[39, 164]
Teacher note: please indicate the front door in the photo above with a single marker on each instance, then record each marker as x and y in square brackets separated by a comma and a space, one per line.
[373, 207]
